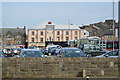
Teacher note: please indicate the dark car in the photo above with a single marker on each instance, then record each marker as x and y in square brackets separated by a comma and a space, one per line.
[31, 53]
[92, 50]
[49, 51]
[71, 52]
[113, 53]
[17, 51]
[32, 47]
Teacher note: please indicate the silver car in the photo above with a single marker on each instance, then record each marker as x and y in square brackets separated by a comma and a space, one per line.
[113, 53]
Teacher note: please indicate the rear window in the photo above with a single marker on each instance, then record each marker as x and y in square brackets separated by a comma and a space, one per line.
[74, 53]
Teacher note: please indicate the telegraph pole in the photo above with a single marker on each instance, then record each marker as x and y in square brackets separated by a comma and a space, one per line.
[113, 26]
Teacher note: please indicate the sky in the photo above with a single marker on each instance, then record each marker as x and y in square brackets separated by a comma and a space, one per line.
[31, 14]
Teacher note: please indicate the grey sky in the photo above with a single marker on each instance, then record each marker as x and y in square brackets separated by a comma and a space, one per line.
[31, 14]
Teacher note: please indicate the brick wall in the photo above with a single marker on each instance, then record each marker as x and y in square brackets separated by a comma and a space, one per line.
[53, 67]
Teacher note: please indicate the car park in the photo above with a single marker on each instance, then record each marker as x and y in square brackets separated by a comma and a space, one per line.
[71, 52]
[31, 53]
[113, 53]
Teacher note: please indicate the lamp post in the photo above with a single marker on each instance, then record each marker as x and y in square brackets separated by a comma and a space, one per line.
[2, 40]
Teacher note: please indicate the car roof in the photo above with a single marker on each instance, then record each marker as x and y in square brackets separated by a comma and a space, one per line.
[70, 48]
[30, 49]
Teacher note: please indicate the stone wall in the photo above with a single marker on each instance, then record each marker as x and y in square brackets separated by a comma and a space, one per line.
[53, 67]
[0, 68]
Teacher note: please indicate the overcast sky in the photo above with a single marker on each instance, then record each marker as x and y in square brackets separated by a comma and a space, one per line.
[31, 14]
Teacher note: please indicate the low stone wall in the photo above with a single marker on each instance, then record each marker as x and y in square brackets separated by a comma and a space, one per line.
[53, 67]
[0, 68]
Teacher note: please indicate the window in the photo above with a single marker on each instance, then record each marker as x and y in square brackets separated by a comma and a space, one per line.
[41, 33]
[50, 38]
[109, 36]
[32, 39]
[58, 38]
[67, 38]
[84, 33]
[18, 42]
[76, 33]
[8, 36]
[41, 39]
[32, 32]
[75, 38]
[67, 33]
[18, 36]
[58, 33]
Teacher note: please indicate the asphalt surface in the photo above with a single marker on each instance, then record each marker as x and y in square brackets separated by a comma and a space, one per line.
[92, 78]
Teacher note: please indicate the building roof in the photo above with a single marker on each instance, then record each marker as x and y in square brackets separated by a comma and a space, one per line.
[13, 30]
[57, 26]
[108, 32]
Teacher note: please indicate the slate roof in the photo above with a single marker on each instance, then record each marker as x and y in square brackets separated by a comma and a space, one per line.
[57, 26]
[12, 30]
[108, 32]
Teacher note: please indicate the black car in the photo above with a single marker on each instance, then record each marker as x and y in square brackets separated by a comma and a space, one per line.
[71, 52]
[49, 51]
[8, 52]
[17, 51]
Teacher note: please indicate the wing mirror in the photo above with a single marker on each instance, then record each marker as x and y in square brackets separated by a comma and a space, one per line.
[106, 55]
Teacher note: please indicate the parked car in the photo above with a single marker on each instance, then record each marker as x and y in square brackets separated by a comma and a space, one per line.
[92, 50]
[8, 52]
[49, 51]
[1, 55]
[113, 53]
[31, 53]
[71, 52]
[57, 51]
[32, 47]
[17, 51]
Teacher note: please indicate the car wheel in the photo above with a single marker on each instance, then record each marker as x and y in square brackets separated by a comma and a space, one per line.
[89, 55]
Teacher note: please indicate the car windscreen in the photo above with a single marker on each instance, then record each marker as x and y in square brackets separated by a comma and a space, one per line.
[8, 49]
[112, 53]
[32, 54]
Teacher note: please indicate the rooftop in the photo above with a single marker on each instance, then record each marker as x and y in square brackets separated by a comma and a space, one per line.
[57, 26]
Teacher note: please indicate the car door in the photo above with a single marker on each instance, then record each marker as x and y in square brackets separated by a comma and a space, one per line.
[113, 54]
[61, 53]
[98, 50]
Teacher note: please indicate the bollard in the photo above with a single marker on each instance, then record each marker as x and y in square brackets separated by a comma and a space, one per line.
[111, 64]
[84, 73]
[87, 77]
[102, 72]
